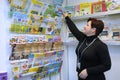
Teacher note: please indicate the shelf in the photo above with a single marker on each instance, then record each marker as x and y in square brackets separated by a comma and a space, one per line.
[74, 43]
[112, 42]
[27, 74]
[16, 61]
[97, 15]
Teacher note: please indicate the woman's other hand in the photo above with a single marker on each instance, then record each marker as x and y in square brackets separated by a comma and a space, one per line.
[83, 74]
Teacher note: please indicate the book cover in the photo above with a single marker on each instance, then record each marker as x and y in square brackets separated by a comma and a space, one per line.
[105, 35]
[77, 10]
[70, 10]
[59, 10]
[113, 5]
[50, 11]
[49, 38]
[15, 68]
[50, 28]
[57, 39]
[18, 6]
[57, 46]
[116, 34]
[70, 36]
[48, 46]
[41, 30]
[85, 8]
[98, 7]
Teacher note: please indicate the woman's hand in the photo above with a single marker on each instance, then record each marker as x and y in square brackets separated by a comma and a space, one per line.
[65, 14]
[83, 74]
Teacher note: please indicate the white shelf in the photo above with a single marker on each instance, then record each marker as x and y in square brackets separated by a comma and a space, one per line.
[74, 43]
[112, 42]
[16, 61]
[27, 74]
[97, 15]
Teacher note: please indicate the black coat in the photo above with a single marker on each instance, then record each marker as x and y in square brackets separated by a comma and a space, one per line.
[93, 56]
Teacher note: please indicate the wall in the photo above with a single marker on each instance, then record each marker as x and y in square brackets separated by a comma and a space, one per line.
[3, 38]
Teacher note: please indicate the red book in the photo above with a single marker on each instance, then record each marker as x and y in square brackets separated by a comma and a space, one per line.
[98, 7]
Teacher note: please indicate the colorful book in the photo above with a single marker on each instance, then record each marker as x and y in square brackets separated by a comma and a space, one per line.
[19, 6]
[85, 8]
[116, 34]
[98, 7]
[105, 35]
[70, 10]
[77, 10]
[113, 5]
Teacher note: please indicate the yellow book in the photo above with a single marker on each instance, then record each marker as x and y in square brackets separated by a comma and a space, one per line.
[33, 70]
[85, 8]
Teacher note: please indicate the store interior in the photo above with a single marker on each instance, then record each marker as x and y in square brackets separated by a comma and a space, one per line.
[52, 47]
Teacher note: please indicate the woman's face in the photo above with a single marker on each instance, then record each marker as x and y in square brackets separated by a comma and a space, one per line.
[88, 31]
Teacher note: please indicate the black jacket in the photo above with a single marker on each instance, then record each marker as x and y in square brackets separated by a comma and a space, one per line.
[93, 56]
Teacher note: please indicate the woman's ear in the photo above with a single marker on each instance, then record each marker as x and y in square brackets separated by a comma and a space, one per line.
[94, 30]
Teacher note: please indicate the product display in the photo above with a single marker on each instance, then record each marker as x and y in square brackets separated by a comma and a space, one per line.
[38, 45]
[35, 41]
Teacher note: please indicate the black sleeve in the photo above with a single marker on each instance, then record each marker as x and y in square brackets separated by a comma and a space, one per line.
[74, 30]
[103, 55]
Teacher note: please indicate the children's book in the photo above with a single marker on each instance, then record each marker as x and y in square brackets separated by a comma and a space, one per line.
[57, 46]
[34, 47]
[105, 35]
[36, 12]
[70, 10]
[50, 11]
[70, 36]
[59, 10]
[57, 39]
[48, 46]
[85, 8]
[41, 47]
[15, 68]
[49, 38]
[58, 22]
[19, 6]
[27, 50]
[116, 34]
[34, 30]
[24, 67]
[113, 5]
[29, 39]
[41, 30]
[42, 38]
[57, 2]
[50, 28]
[98, 7]
[77, 10]
[37, 7]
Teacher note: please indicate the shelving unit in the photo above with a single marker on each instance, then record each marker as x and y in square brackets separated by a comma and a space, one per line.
[39, 64]
[97, 15]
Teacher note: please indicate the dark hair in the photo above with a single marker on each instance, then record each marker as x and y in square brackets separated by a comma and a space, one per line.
[98, 24]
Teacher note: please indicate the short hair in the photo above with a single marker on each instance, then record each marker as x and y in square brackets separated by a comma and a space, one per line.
[98, 24]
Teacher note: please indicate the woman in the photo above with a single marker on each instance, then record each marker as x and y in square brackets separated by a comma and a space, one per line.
[93, 57]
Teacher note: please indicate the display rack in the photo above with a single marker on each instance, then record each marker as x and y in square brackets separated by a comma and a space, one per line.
[74, 43]
[40, 64]
[97, 15]
[34, 39]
